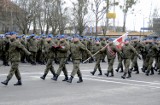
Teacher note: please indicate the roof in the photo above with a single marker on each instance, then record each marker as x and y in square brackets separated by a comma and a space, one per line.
[130, 34]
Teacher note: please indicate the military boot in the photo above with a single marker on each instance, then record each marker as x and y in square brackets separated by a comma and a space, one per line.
[152, 71]
[93, 72]
[100, 72]
[107, 73]
[147, 73]
[55, 78]
[53, 72]
[80, 80]
[43, 77]
[18, 83]
[121, 69]
[124, 76]
[5, 82]
[112, 74]
[129, 75]
[70, 80]
[117, 69]
[66, 78]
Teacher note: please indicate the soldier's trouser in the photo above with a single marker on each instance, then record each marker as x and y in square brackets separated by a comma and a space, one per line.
[119, 62]
[110, 65]
[134, 62]
[149, 63]
[33, 57]
[158, 62]
[5, 57]
[76, 69]
[126, 65]
[97, 65]
[14, 70]
[62, 67]
[49, 67]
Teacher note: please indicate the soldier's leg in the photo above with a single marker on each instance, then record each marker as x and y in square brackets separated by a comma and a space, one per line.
[110, 67]
[48, 67]
[65, 73]
[96, 66]
[61, 66]
[80, 76]
[75, 70]
[99, 68]
[149, 65]
[18, 76]
[126, 71]
[14, 66]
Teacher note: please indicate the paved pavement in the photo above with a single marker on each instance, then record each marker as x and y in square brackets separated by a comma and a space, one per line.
[95, 90]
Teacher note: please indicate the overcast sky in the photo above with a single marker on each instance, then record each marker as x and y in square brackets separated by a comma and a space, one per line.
[138, 19]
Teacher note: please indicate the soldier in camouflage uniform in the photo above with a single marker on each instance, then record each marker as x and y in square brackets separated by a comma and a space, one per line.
[111, 51]
[127, 49]
[103, 43]
[97, 47]
[76, 48]
[139, 47]
[14, 57]
[62, 54]
[152, 50]
[1, 47]
[50, 52]
[32, 46]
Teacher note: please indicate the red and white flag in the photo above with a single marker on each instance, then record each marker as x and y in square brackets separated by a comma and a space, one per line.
[119, 42]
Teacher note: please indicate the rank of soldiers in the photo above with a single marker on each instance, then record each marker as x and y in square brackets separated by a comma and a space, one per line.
[46, 49]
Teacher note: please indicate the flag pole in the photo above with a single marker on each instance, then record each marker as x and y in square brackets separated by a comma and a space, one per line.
[101, 49]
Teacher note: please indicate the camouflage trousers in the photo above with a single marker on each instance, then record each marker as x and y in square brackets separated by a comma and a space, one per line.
[97, 65]
[49, 67]
[14, 70]
[110, 65]
[62, 66]
[126, 65]
[76, 69]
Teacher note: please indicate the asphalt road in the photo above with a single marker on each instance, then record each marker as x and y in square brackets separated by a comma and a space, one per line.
[95, 90]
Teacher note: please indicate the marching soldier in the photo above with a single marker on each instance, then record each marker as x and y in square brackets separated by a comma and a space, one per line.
[127, 51]
[32, 46]
[14, 52]
[76, 54]
[111, 51]
[97, 46]
[152, 50]
[50, 52]
[62, 54]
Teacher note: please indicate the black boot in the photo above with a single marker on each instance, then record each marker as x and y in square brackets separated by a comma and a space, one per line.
[70, 80]
[53, 72]
[152, 71]
[100, 72]
[124, 76]
[80, 80]
[147, 73]
[18, 83]
[66, 78]
[121, 69]
[112, 74]
[55, 78]
[43, 77]
[117, 69]
[5, 82]
[93, 72]
[107, 73]
[129, 75]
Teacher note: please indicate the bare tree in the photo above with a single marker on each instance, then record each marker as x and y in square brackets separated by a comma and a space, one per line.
[80, 10]
[128, 4]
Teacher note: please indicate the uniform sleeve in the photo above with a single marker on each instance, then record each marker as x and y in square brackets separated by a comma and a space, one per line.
[65, 48]
[82, 47]
[20, 46]
[134, 50]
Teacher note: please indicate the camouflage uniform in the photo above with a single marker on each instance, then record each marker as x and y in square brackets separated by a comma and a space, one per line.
[14, 57]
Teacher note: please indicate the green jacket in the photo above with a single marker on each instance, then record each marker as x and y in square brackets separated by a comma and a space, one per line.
[63, 51]
[128, 50]
[96, 48]
[14, 50]
[76, 50]
[32, 45]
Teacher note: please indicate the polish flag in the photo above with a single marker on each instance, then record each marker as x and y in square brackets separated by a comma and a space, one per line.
[119, 42]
